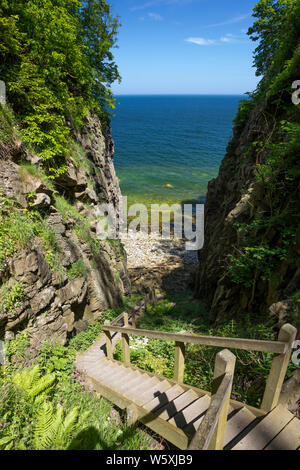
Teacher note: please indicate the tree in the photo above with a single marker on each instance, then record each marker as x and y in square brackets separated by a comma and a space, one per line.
[57, 63]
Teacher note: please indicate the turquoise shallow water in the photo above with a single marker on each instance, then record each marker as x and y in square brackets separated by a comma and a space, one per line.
[173, 140]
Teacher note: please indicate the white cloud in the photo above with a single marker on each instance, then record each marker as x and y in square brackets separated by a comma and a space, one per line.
[202, 41]
[227, 39]
[235, 19]
[155, 16]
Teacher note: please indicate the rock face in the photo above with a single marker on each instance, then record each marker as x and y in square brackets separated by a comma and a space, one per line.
[56, 302]
[236, 196]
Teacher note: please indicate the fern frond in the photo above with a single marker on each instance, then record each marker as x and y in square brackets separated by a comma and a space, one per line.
[42, 386]
[31, 383]
[43, 436]
[70, 422]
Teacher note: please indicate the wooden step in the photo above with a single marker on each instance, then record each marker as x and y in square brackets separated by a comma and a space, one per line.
[124, 379]
[163, 398]
[106, 374]
[288, 438]
[148, 384]
[132, 384]
[152, 392]
[238, 423]
[266, 430]
[173, 407]
[191, 413]
[121, 371]
[102, 368]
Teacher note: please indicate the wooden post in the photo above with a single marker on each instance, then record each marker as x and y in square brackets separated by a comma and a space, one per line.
[279, 367]
[109, 352]
[179, 362]
[225, 363]
[132, 415]
[133, 322]
[125, 342]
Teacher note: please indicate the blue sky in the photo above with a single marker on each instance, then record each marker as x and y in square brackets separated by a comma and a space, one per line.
[184, 47]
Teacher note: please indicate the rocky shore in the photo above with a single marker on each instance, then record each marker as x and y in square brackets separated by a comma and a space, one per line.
[162, 264]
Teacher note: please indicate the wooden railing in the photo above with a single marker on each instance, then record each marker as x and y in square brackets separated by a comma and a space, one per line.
[211, 432]
[282, 349]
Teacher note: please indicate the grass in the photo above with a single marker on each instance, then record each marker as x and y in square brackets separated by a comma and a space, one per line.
[79, 157]
[66, 209]
[11, 296]
[82, 231]
[78, 269]
[26, 169]
[18, 229]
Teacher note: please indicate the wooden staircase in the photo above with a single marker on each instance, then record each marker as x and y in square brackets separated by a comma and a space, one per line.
[186, 416]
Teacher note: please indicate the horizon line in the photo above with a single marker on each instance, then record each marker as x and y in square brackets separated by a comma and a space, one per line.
[180, 94]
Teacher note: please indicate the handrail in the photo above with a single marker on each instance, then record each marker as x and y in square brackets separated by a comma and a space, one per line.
[281, 349]
[211, 432]
[203, 436]
[277, 347]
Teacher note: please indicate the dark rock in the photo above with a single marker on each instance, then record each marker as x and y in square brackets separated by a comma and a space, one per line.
[54, 306]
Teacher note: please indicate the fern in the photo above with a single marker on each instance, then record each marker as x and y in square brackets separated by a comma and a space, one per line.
[53, 431]
[35, 386]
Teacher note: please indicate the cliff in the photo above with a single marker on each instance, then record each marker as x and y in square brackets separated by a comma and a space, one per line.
[55, 275]
[246, 264]
[249, 265]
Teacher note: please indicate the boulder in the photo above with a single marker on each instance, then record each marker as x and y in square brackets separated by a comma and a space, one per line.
[41, 201]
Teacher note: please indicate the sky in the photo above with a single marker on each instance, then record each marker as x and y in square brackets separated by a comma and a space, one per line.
[184, 47]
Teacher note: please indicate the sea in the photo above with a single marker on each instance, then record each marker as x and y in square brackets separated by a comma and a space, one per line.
[167, 148]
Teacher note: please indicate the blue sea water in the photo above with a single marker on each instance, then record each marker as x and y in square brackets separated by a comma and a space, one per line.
[170, 140]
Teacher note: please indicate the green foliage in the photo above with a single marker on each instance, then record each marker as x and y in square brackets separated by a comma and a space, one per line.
[33, 385]
[268, 241]
[16, 350]
[56, 358]
[53, 430]
[19, 227]
[79, 157]
[57, 63]
[11, 296]
[258, 256]
[82, 231]
[33, 170]
[244, 110]
[273, 26]
[48, 406]
[15, 230]
[66, 209]
[8, 124]
[78, 269]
